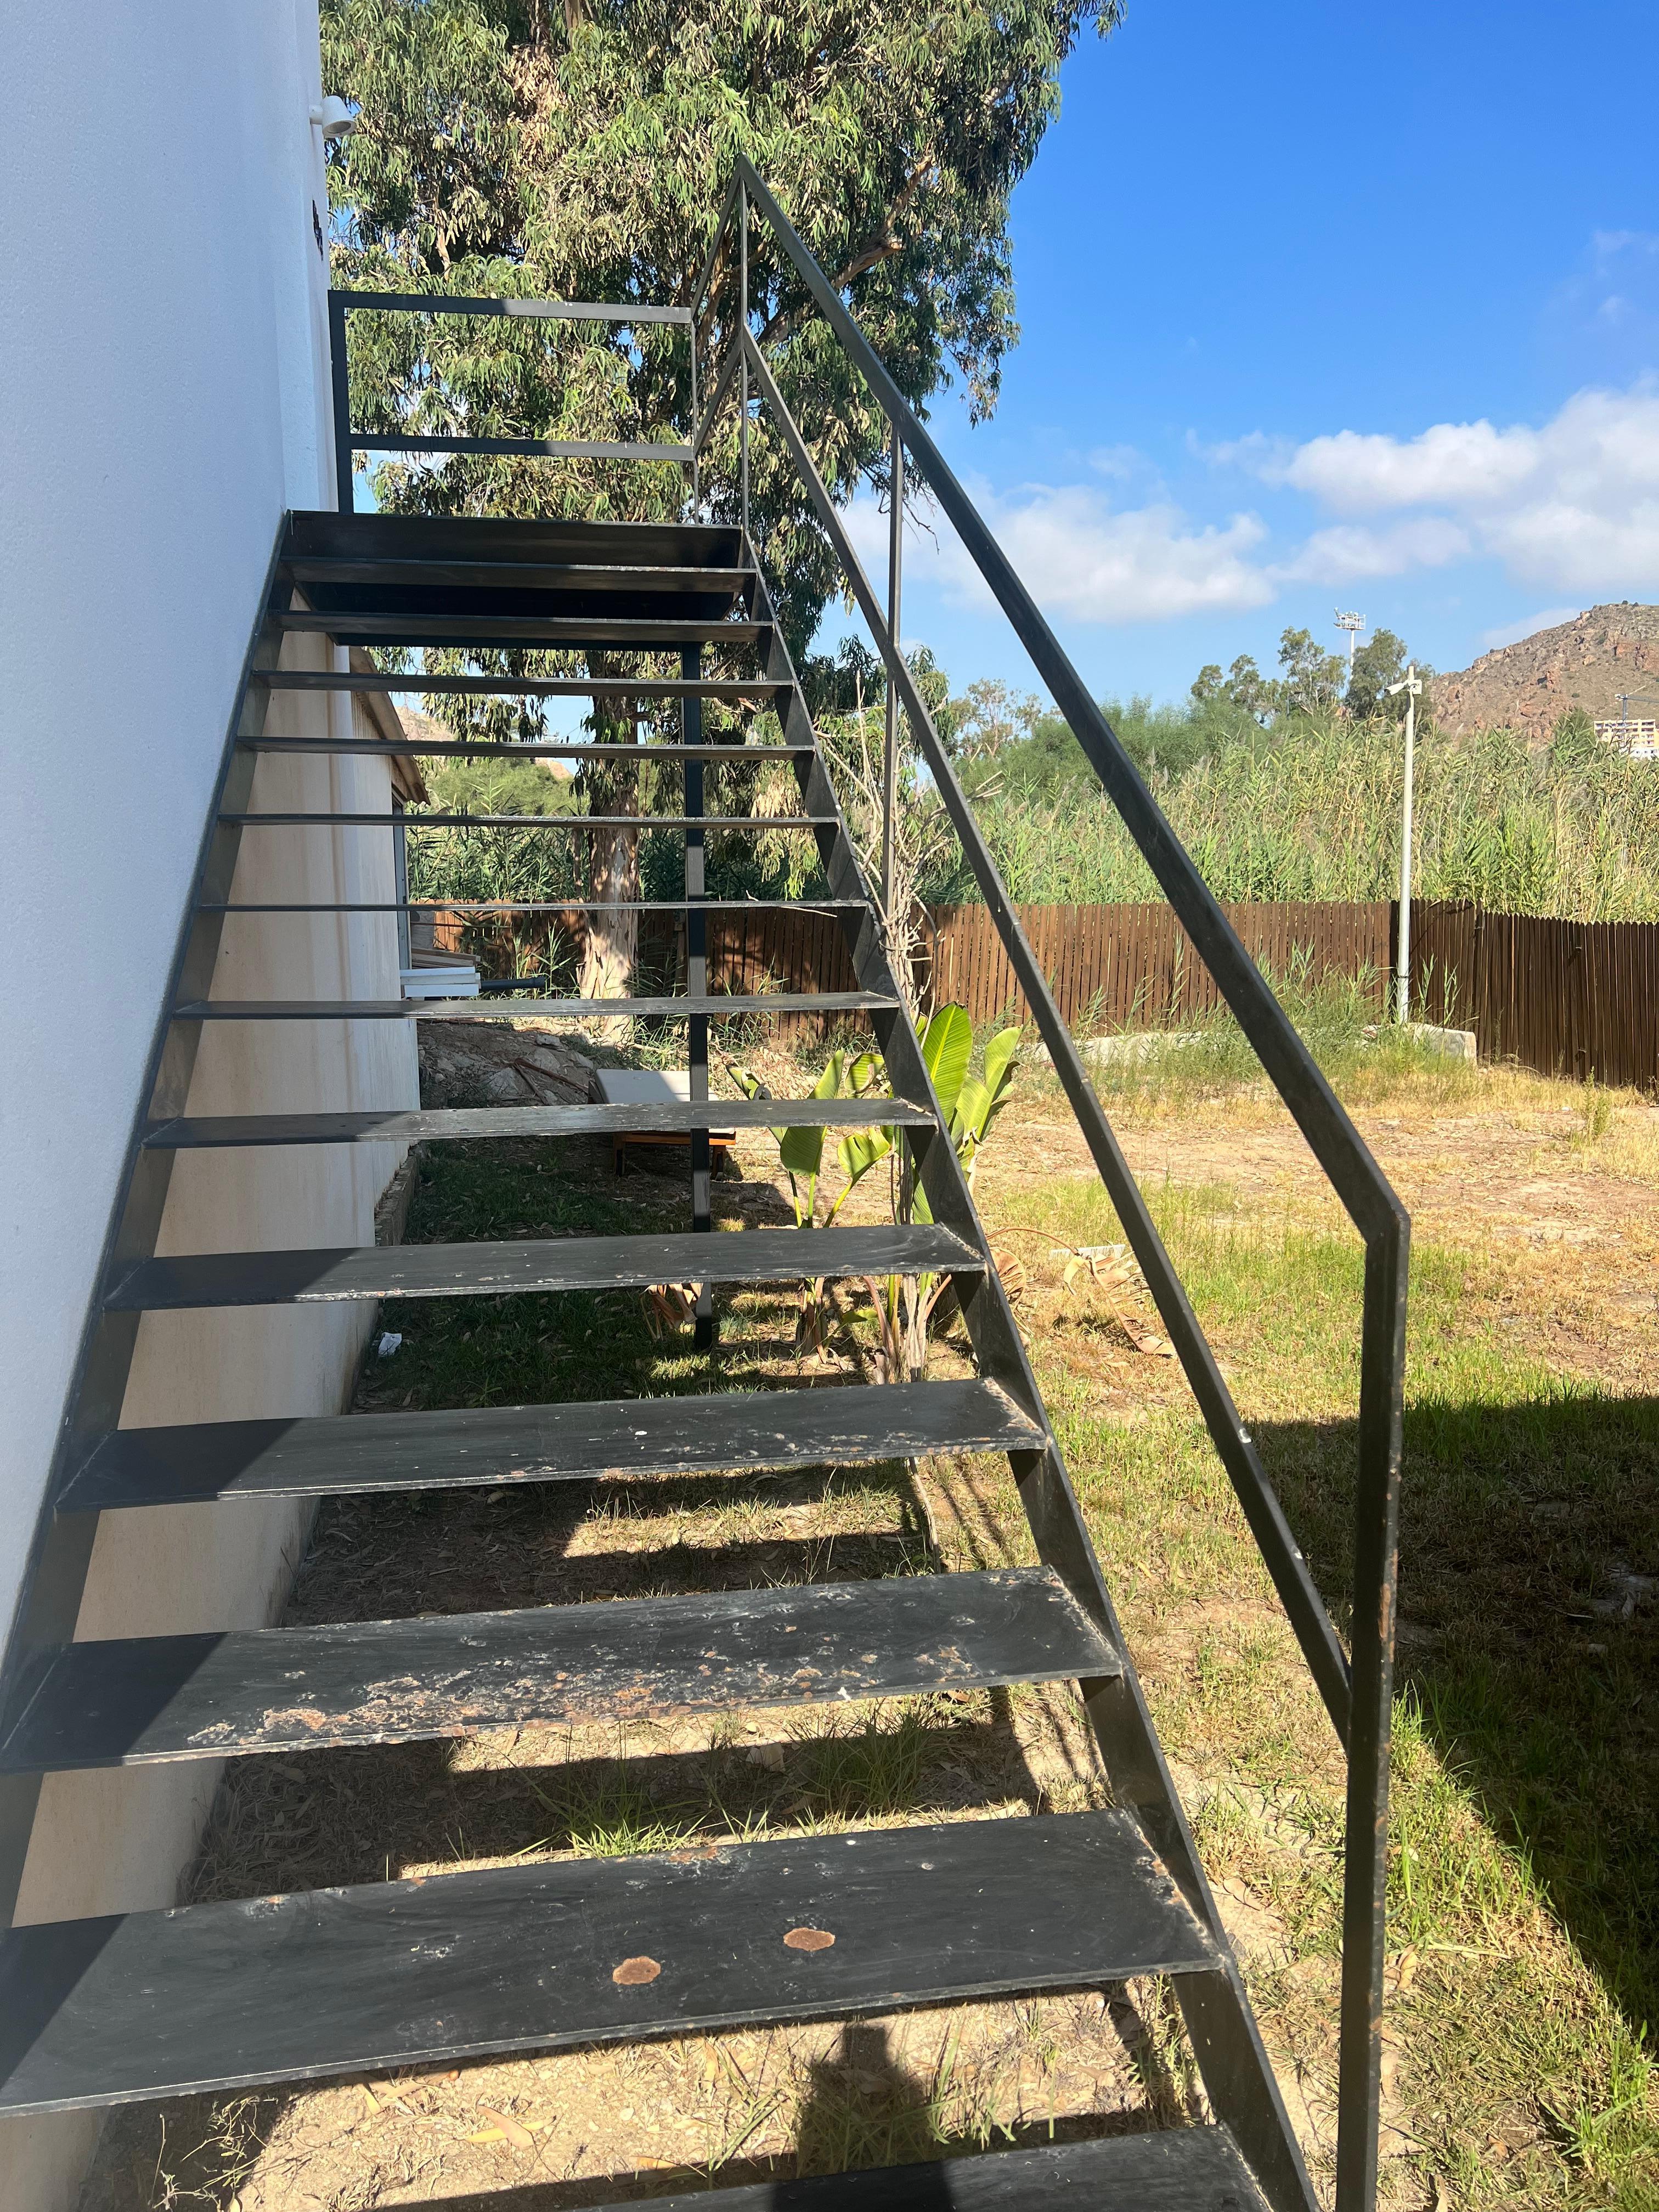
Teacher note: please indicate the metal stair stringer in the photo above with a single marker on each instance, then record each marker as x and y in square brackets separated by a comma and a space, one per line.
[1232, 2060]
[61, 1554]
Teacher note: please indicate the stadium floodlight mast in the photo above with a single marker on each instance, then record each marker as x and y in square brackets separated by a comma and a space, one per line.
[1353, 624]
[1411, 685]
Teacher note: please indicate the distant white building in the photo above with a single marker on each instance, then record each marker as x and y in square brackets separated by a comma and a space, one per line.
[1640, 739]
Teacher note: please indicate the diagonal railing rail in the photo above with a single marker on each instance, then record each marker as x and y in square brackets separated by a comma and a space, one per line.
[1357, 1692]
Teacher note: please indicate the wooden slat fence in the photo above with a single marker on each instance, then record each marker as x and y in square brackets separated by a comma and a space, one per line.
[1578, 998]
[1134, 967]
[1566, 997]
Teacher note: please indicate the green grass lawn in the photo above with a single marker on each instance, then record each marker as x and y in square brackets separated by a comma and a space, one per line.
[1524, 1940]
[1525, 1887]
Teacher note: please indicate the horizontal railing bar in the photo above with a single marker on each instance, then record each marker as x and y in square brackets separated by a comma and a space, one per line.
[527, 686]
[538, 310]
[1286, 1562]
[1337, 1145]
[549, 749]
[574, 630]
[544, 906]
[405, 820]
[558, 449]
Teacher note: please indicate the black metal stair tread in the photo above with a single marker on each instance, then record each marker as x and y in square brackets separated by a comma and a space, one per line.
[336, 1455]
[422, 818]
[540, 687]
[644, 578]
[492, 1268]
[665, 749]
[452, 1124]
[1196, 2169]
[213, 1996]
[388, 625]
[130, 1702]
[716, 1007]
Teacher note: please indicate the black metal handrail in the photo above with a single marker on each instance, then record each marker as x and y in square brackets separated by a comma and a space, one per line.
[1357, 1694]
[347, 441]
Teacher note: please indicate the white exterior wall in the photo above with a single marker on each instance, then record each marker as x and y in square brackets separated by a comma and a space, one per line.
[162, 320]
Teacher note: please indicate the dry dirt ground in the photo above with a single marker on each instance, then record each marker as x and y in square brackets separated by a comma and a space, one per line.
[1504, 1170]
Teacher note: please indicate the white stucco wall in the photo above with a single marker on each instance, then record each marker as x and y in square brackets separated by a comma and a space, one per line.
[162, 323]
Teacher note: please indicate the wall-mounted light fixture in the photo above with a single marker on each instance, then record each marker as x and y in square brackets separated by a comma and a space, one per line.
[334, 119]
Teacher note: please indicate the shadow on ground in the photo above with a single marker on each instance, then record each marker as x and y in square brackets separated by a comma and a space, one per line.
[1528, 1634]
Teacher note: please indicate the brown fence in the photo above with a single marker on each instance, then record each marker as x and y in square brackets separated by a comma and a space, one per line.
[1567, 998]
[1134, 967]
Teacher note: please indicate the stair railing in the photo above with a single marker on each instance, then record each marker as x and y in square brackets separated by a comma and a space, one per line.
[1357, 1693]
[347, 441]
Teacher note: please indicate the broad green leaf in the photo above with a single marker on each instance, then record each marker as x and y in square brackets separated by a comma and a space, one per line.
[974, 1107]
[864, 1076]
[829, 1083]
[800, 1150]
[946, 1044]
[860, 1150]
[999, 1062]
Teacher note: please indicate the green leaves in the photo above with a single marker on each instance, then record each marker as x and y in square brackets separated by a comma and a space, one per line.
[947, 1043]
[501, 152]
[979, 1103]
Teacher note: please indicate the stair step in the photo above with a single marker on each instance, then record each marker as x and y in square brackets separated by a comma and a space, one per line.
[405, 1974]
[1196, 2169]
[492, 1269]
[456, 1124]
[497, 576]
[132, 1702]
[340, 1453]
[387, 627]
[423, 818]
[717, 1007]
[529, 686]
[665, 748]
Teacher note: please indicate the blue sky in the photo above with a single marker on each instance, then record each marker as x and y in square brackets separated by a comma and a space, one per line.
[1320, 306]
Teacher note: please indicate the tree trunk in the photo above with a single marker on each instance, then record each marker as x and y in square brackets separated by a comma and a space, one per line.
[611, 946]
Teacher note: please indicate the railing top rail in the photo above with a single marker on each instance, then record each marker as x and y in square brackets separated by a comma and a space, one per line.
[1341, 1151]
[452, 303]
[700, 288]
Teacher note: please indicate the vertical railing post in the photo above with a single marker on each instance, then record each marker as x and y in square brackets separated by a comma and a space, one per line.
[696, 973]
[340, 381]
[890, 753]
[1376, 1582]
[696, 497]
[742, 365]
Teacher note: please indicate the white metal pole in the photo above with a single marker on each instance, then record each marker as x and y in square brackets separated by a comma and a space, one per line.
[1405, 991]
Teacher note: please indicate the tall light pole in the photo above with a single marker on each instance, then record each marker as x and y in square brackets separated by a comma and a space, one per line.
[1353, 624]
[1411, 685]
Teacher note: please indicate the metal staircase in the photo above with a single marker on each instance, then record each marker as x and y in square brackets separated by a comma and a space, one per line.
[544, 1955]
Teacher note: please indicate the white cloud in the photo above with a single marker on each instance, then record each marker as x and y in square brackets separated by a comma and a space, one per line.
[1512, 633]
[1349, 552]
[1081, 556]
[1084, 558]
[1573, 505]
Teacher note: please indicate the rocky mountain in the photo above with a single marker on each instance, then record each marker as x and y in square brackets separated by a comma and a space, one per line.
[1585, 663]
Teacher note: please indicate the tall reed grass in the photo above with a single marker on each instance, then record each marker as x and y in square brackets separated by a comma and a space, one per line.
[1314, 814]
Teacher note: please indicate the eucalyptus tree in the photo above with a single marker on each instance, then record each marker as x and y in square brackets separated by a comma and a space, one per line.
[581, 152]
